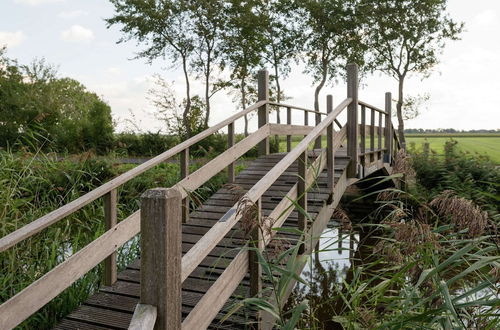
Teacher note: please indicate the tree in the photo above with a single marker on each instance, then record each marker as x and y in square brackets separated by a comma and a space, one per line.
[208, 19]
[333, 38]
[165, 28]
[407, 36]
[283, 37]
[242, 46]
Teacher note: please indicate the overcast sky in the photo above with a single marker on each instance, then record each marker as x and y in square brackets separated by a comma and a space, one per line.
[464, 89]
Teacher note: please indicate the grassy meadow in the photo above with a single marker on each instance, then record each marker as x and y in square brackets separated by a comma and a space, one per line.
[482, 144]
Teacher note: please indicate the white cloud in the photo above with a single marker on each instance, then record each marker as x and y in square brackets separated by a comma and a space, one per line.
[113, 70]
[37, 2]
[77, 33]
[72, 14]
[11, 39]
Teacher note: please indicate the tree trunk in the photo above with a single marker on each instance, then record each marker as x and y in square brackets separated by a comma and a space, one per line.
[207, 88]
[278, 90]
[321, 84]
[399, 110]
[244, 101]
[187, 109]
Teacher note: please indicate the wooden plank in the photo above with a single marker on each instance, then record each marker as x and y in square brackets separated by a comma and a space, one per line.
[263, 112]
[230, 144]
[302, 195]
[184, 172]
[372, 134]
[58, 214]
[282, 129]
[161, 220]
[36, 295]
[352, 119]
[289, 122]
[220, 229]
[330, 151]
[388, 127]
[203, 174]
[369, 106]
[144, 317]
[110, 220]
[101, 317]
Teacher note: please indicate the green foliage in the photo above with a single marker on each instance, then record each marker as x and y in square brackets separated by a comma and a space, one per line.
[60, 112]
[474, 177]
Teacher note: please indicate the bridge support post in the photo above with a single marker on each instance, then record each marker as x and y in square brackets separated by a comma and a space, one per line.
[302, 196]
[330, 157]
[110, 212]
[161, 255]
[184, 165]
[255, 268]
[230, 143]
[263, 112]
[352, 120]
[388, 128]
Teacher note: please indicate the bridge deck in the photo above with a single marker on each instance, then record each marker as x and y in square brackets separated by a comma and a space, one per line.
[112, 307]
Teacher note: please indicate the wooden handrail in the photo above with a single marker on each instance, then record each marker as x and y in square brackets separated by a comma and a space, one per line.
[37, 294]
[369, 106]
[144, 317]
[58, 214]
[282, 105]
[200, 250]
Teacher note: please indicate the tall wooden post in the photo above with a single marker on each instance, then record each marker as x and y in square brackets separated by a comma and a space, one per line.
[184, 165]
[372, 135]
[388, 128]
[317, 142]
[263, 112]
[110, 210]
[255, 268]
[302, 196]
[230, 143]
[161, 254]
[352, 120]
[329, 148]
[289, 122]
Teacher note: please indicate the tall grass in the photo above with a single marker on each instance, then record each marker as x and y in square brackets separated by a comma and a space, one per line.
[34, 184]
[427, 258]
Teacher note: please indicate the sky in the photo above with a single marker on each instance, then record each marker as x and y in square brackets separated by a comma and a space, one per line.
[464, 88]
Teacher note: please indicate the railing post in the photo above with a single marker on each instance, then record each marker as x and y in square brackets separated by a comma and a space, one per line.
[263, 112]
[255, 268]
[317, 142]
[372, 135]
[379, 144]
[362, 134]
[110, 210]
[302, 196]
[184, 165]
[330, 157]
[352, 120]
[289, 122]
[388, 128]
[230, 143]
[161, 253]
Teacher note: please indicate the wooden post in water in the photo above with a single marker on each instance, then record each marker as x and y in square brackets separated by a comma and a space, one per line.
[230, 143]
[352, 120]
[388, 128]
[110, 203]
[161, 253]
[330, 159]
[184, 165]
[263, 112]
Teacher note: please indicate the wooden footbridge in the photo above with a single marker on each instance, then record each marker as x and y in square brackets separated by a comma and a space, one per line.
[195, 265]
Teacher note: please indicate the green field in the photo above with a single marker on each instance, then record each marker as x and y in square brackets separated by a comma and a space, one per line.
[481, 144]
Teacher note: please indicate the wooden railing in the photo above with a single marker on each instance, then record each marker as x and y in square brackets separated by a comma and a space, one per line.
[163, 210]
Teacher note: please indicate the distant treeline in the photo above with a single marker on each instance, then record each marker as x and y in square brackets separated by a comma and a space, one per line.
[448, 130]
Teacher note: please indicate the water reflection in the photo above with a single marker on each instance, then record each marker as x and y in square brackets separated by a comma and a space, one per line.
[328, 266]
